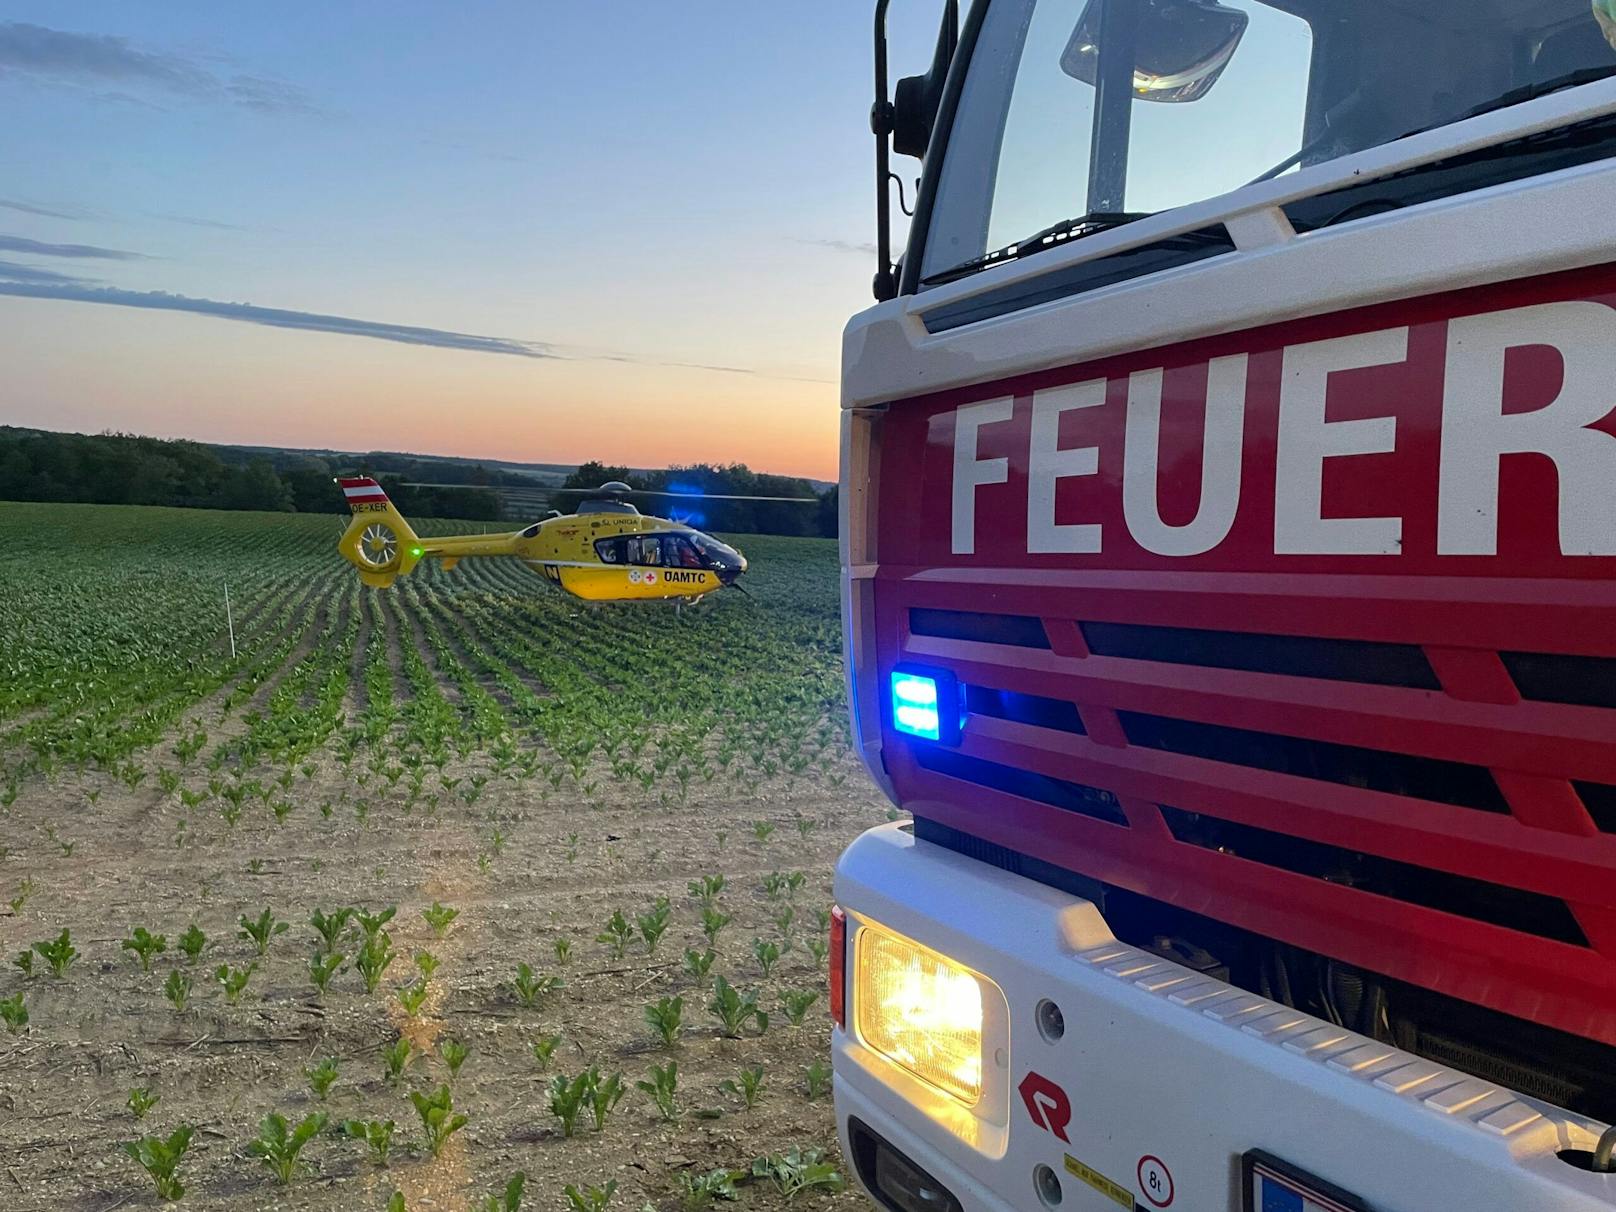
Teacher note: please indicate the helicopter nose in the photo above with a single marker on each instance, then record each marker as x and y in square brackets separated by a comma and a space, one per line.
[732, 569]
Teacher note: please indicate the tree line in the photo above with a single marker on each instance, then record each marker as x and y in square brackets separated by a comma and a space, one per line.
[127, 469]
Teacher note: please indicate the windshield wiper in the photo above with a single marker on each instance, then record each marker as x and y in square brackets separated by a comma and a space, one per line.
[1052, 236]
[1526, 92]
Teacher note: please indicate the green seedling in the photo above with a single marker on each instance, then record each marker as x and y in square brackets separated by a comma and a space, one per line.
[784, 920]
[438, 1118]
[589, 1199]
[699, 1191]
[774, 885]
[568, 1096]
[426, 964]
[804, 827]
[377, 1135]
[24, 890]
[819, 948]
[563, 950]
[796, 1003]
[191, 943]
[440, 918]
[145, 945]
[817, 1078]
[278, 1143]
[13, 1013]
[663, 1087]
[616, 934]
[396, 1203]
[734, 1010]
[141, 1100]
[748, 1087]
[798, 1170]
[233, 980]
[664, 1017]
[412, 997]
[530, 988]
[259, 931]
[767, 952]
[706, 889]
[323, 967]
[160, 1157]
[712, 921]
[603, 1096]
[59, 953]
[508, 1200]
[453, 1053]
[653, 925]
[794, 883]
[177, 989]
[375, 957]
[763, 830]
[699, 963]
[322, 1077]
[25, 961]
[544, 1048]
[330, 926]
[396, 1057]
[372, 923]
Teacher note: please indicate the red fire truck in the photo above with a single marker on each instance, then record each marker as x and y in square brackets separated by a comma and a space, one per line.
[1229, 555]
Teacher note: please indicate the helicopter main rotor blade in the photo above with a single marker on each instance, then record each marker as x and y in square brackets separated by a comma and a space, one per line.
[682, 496]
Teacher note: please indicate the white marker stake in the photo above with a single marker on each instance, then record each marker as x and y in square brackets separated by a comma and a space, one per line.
[230, 620]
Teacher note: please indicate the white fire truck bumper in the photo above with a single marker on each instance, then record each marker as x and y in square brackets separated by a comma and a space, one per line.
[1155, 1087]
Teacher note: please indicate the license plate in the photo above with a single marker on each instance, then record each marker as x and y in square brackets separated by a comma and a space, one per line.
[1272, 1185]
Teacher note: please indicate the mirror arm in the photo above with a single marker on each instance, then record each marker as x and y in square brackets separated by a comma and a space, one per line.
[886, 282]
[1117, 36]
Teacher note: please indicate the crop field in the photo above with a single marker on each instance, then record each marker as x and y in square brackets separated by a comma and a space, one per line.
[417, 891]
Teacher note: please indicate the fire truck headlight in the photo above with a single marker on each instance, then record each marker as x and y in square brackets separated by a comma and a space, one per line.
[921, 1011]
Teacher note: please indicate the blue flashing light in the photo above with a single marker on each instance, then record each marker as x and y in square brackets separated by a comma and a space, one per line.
[926, 705]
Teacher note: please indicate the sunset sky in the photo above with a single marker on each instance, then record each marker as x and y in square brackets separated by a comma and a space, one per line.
[522, 230]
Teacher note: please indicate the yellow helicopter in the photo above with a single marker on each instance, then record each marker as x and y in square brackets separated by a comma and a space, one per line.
[605, 552]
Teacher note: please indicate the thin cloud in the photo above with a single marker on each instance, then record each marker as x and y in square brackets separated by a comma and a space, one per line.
[28, 285]
[59, 57]
[28, 208]
[28, 282]
[11, 271]
[196, 221]
[865, 248]
[37, 248]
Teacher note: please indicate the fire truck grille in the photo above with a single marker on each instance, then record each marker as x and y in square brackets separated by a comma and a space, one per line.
[1414, 777]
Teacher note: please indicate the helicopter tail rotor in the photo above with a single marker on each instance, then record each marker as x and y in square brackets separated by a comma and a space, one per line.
[378, 542]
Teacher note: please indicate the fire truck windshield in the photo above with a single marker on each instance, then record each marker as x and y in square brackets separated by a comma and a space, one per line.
[1111, 109]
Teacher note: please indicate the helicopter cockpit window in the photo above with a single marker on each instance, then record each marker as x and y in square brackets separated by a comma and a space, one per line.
[609, 550]
[714, 552]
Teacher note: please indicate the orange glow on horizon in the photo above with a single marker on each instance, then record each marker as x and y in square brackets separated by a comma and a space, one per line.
[192, 377]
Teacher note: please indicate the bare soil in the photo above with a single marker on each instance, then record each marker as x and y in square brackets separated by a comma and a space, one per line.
[135, 857]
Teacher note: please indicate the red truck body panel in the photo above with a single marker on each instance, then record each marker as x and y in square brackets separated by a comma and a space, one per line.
[1432, 686]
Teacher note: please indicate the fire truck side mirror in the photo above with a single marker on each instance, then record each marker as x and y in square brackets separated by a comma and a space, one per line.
[916, 99]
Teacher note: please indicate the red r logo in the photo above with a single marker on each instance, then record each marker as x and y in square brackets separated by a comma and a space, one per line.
[1047, 1104]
